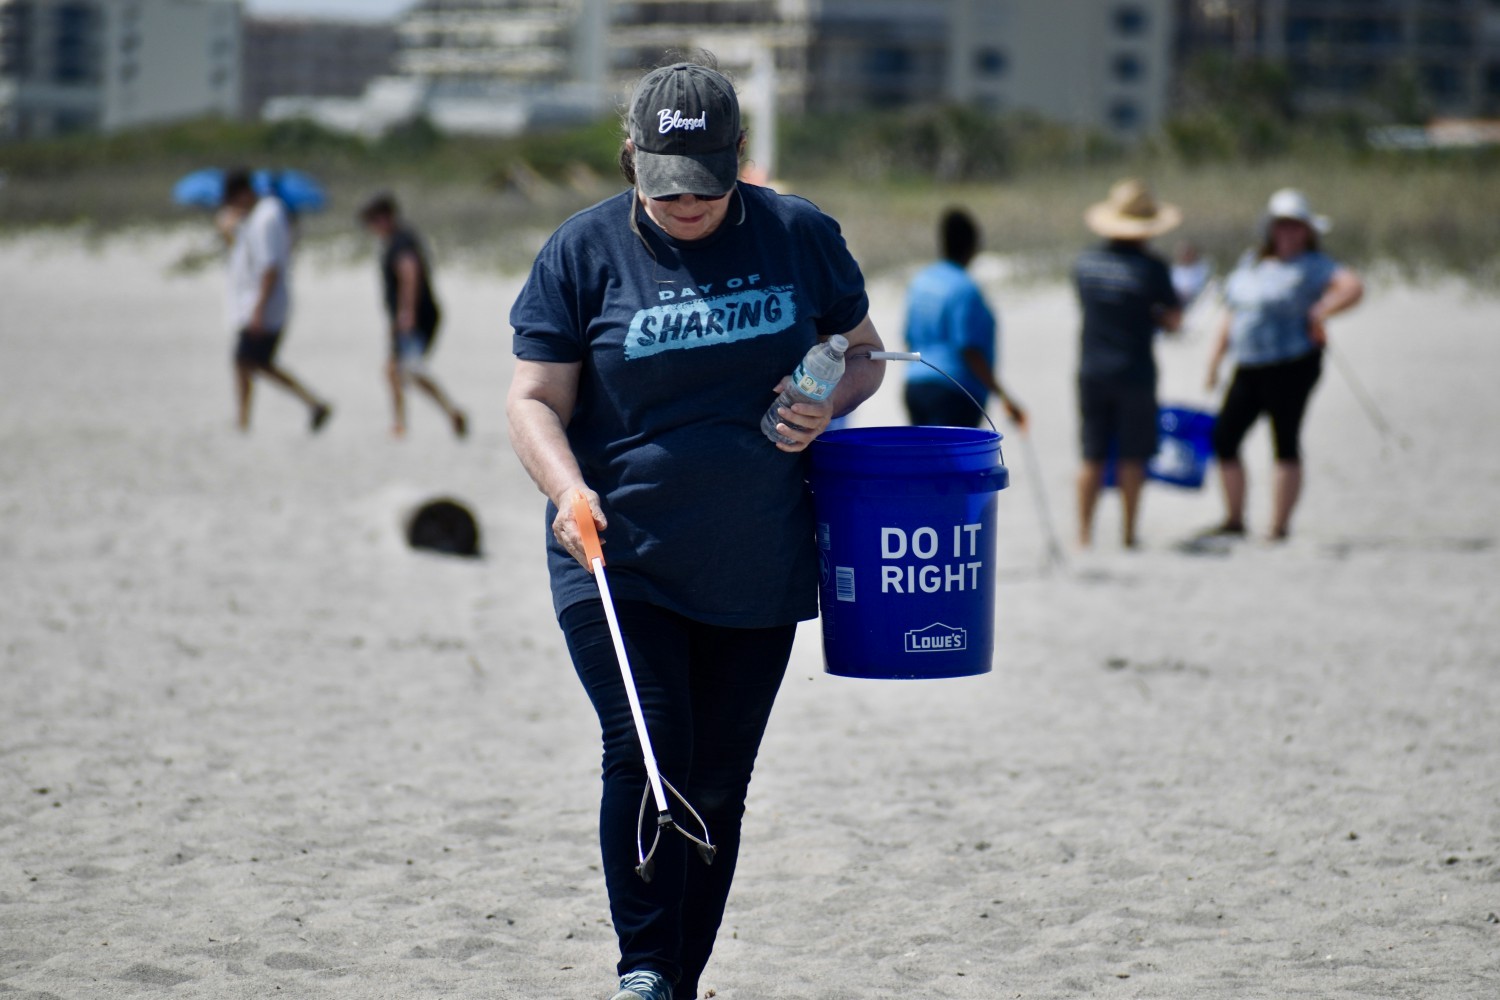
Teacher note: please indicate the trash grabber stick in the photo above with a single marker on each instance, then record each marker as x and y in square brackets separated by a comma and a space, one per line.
[1365, 399]
[1044, 510]
[657, 788]
[594, 553]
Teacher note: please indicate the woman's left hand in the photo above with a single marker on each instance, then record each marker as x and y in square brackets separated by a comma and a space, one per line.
[802, 422]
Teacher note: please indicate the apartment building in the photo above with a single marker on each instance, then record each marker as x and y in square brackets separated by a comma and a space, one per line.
[1357, 54]
[1102, 64]
[81, 65]
[312, 57]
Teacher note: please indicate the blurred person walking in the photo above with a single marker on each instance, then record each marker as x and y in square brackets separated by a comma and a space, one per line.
[1126, 295]
[259, 299]
[1279, 298]
[406, 279]
[652, 334]
[951, 325]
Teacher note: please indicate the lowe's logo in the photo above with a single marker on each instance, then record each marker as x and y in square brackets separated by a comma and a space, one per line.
[937, 638]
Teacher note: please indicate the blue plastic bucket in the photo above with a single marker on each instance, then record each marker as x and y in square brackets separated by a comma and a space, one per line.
[1184, 446]
[906, 549]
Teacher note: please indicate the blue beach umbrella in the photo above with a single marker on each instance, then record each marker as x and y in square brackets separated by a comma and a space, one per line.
[205, 188]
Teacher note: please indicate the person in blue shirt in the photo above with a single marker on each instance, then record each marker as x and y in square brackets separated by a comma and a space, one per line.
[1126, 295]
[652, 334]
[1279, 297]
[949, 323]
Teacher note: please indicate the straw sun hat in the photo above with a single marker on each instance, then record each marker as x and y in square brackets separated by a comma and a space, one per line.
[1131, 212]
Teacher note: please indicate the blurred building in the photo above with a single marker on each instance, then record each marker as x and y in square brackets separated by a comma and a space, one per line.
[1101, 65]
[1441, 55]
[79, 65]
[303, 56]
[501, 65]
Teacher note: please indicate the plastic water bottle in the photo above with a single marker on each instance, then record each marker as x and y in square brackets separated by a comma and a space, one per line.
[812, 382]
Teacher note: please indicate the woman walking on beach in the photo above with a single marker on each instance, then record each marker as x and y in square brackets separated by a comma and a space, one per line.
[1280, 295]
[651, 336]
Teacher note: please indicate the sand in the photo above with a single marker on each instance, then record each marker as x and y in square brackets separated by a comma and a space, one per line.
[253, 746]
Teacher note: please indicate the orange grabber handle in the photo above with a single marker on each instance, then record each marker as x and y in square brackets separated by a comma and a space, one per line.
[584, 518]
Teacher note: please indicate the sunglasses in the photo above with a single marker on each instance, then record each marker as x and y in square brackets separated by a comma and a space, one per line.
[700, 197]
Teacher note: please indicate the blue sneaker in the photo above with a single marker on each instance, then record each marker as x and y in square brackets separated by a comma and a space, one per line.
[643, 984]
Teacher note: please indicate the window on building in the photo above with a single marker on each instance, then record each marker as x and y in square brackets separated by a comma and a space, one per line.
[1444, 32]
[15, 39]
[1128, 67]
[1124, 116]
[73, 55]
[1375, 32]
[1130, 20]
[888, 61]
[70, 121]
[1442, 81]
[990, 61]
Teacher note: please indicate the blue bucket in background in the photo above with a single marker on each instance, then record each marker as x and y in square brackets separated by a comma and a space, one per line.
[906, 549]
[1184, 446]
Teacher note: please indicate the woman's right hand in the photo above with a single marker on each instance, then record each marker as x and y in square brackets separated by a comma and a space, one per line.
[565, 528]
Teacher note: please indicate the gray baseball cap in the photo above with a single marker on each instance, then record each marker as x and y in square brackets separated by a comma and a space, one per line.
[685, 124]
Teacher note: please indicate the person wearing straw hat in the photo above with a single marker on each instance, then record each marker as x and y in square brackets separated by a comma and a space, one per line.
[652, 334]
[1126, 295]
[1279, 298]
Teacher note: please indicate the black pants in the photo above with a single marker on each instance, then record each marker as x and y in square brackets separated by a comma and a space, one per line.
[706, 692]
[1280, 391]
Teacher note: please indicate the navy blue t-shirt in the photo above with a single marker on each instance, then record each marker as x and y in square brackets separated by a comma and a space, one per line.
[682, 345]
[1122, 289]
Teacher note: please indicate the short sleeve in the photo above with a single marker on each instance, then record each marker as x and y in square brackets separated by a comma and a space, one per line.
[271, 241]
[976, 324]
[1323, 269]
[842, 303]
[1163, 292]
[545, 316]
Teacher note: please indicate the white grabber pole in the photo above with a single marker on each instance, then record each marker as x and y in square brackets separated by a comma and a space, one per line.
[657, 787]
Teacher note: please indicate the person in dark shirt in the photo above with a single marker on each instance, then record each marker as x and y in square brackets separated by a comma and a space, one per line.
[1126, 295]
[653, 332]
[413, 311]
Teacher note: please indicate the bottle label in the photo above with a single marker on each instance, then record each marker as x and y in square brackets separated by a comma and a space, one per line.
[810, 385]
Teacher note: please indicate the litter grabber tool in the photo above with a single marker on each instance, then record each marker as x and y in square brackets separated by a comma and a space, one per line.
[657, 788]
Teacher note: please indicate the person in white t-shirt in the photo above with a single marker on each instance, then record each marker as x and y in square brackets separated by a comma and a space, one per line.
[259, 264]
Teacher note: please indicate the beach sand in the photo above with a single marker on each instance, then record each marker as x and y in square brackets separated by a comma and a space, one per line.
[252, 746]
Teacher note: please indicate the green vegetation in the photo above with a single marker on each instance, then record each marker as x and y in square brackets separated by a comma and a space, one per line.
[885, 176]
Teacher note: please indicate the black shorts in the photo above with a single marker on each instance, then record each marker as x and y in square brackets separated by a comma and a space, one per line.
[1280, 391]
[257, 350]
[934, 404]
[411, 344]
[1118, 418]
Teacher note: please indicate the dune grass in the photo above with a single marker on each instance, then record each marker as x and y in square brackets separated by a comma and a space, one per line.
[1423, 215]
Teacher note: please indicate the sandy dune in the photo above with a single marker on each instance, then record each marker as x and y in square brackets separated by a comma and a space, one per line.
[252, 746]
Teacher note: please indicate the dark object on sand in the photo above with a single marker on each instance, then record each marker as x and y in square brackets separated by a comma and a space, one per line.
[443, 525]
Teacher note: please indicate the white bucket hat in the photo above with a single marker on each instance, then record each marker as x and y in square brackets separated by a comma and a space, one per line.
[1289, 203]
